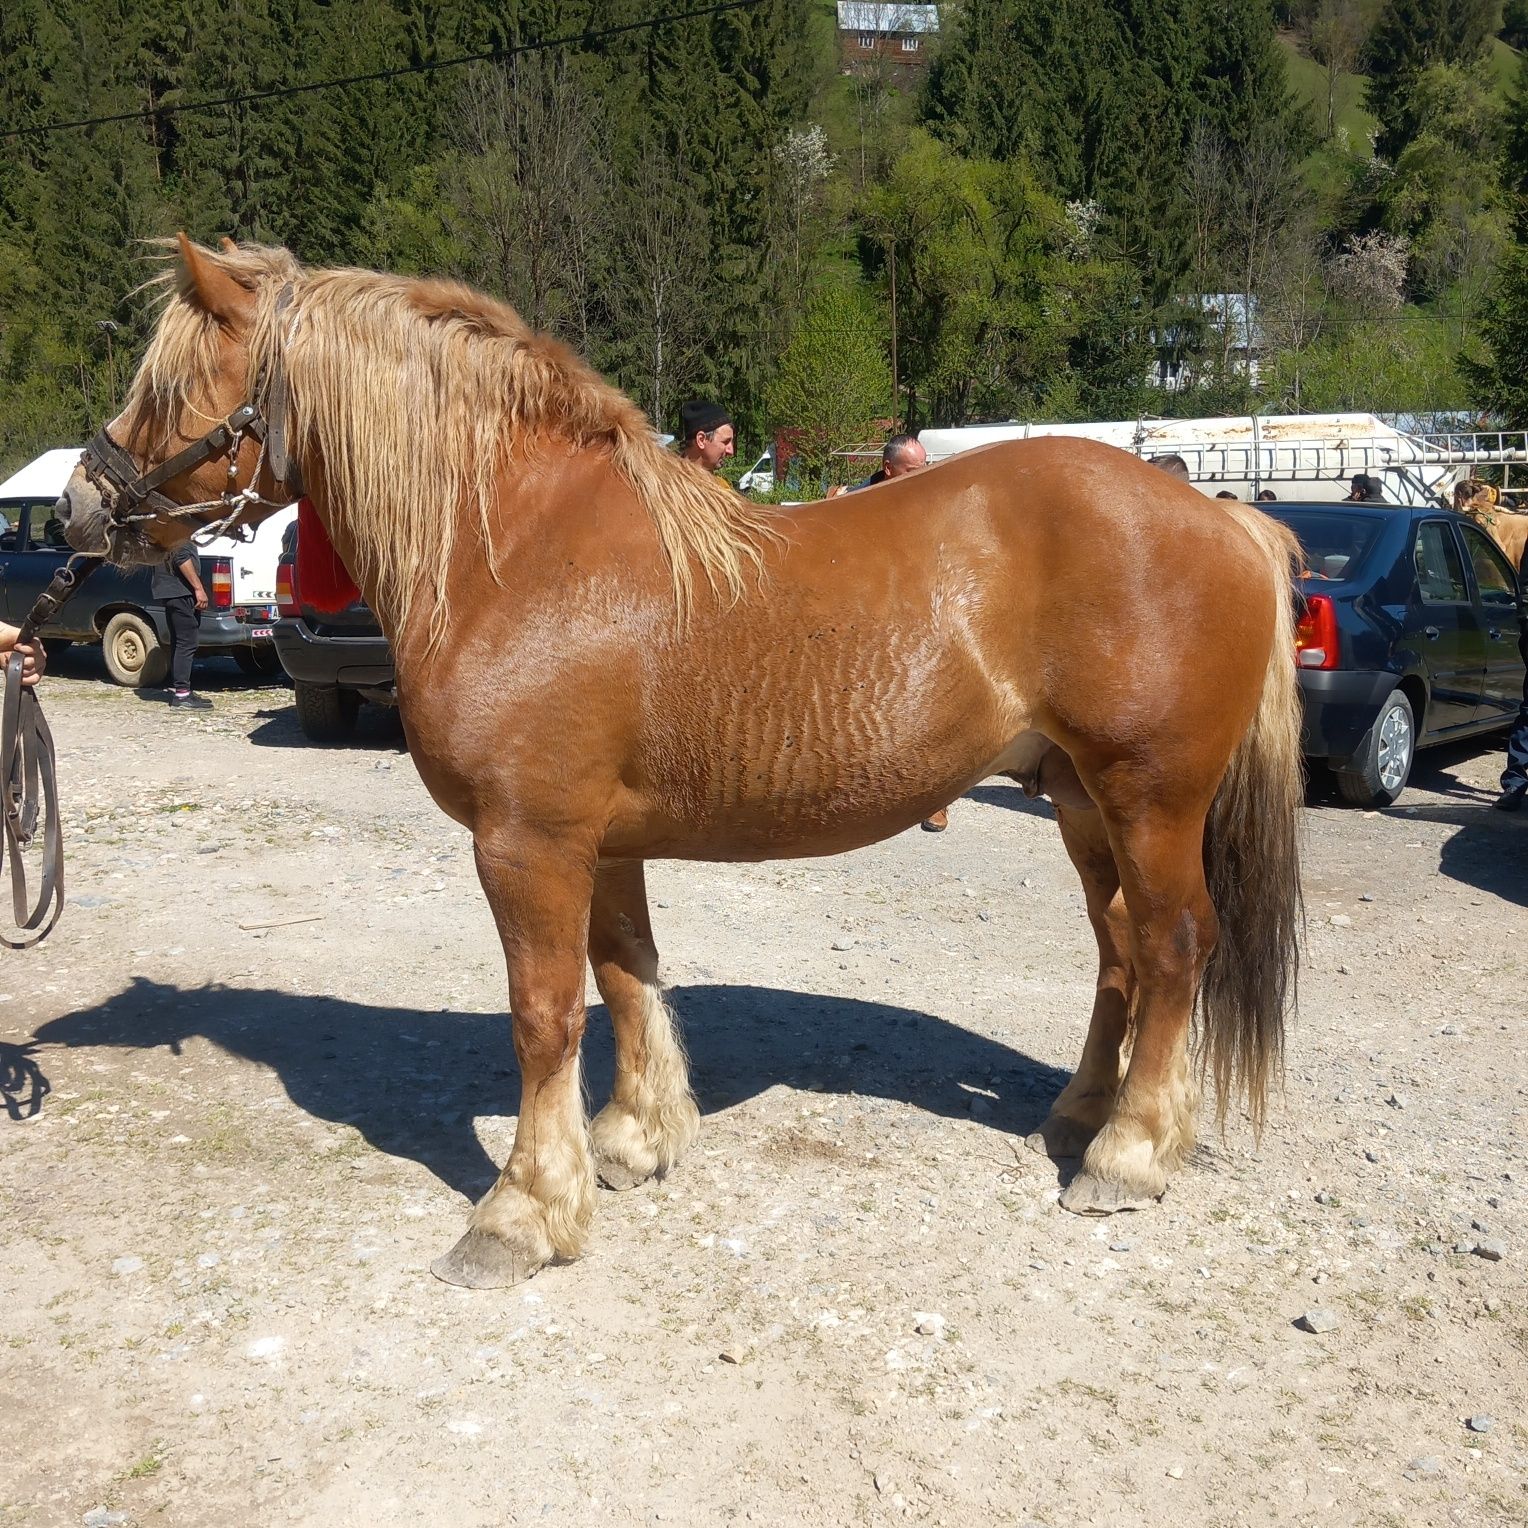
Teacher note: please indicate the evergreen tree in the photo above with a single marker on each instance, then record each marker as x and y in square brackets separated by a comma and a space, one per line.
[1409, 36]
[1499, 382]
[834, 381]
[1103, 97]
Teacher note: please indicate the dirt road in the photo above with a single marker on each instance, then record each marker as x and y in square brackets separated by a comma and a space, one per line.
[236, 1140]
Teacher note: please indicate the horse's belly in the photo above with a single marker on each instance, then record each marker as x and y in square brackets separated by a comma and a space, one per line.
[757, 792]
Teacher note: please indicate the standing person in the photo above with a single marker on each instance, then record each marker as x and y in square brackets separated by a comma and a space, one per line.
[1267, 496]
[34, 659]
[706, 434]
[177, 581]
[1172, 464]
[900, 455]
[1514, 778]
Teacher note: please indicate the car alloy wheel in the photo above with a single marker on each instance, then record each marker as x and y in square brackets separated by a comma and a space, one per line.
[1395, 748]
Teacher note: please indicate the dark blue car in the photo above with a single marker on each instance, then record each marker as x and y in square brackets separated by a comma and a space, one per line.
[1409, 637]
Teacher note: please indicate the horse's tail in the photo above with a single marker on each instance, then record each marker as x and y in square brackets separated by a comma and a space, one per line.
[1252, 847]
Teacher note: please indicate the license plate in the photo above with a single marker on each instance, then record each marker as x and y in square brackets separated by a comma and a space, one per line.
[260, 631]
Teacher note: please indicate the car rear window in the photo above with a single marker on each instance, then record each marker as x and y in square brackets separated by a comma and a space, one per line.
[1334, 543]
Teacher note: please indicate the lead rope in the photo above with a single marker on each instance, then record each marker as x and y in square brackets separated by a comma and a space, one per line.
[28, 777]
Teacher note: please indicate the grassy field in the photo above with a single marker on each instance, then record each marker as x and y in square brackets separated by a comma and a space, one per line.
[1307, 79]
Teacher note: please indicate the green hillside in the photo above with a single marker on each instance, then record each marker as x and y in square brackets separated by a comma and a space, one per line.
[1307, 79]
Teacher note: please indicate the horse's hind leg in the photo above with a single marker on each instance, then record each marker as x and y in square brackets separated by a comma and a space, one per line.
[1084, 1105]
[1173, 930]
[651, 1118]
[544, 1200]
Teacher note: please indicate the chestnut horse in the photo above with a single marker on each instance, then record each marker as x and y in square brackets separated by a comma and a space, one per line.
[606, 656]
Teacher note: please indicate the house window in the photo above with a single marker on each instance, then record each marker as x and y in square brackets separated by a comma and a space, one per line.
[867, 39]
[909, 44]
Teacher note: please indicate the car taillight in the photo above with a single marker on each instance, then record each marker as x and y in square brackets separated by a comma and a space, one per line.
[222, 583]
[286, 589]
[1316, 633]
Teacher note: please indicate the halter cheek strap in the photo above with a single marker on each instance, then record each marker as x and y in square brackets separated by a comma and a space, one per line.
[278, 407]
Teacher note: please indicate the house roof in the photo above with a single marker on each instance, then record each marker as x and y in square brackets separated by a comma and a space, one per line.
[864, 16]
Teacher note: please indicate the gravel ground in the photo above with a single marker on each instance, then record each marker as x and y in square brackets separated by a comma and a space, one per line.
[260, 1070]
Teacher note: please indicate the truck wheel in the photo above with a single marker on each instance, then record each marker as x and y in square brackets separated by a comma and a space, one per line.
[257, 662]
[1378, 772]
[325, 712]
[134, 654]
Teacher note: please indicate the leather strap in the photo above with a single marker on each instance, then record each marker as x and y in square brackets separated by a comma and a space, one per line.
[278, 402]
[28, 776]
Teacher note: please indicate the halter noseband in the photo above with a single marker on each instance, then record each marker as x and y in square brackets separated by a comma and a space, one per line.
[131, 497]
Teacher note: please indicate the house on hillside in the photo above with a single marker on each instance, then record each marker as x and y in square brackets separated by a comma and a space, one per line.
[1226, 333]
[884, 37]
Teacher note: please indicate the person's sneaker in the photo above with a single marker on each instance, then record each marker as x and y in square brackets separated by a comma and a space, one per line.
[185, 700]
[1511, 800]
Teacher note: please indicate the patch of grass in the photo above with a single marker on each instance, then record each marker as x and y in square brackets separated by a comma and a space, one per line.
[1307, 83]
[149, 1465]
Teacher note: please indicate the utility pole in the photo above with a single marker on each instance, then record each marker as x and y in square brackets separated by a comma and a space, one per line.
[109, 328]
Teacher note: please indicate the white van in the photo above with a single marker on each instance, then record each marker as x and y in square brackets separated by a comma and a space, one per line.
[759, 478]
[114, 607]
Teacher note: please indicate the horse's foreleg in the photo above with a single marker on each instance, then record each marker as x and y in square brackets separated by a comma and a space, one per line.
[1173, 929]
[544, 1200]
[1084, 1105]
[651, 1118]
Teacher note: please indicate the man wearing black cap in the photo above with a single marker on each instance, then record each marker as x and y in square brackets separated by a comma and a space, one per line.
[706, 435]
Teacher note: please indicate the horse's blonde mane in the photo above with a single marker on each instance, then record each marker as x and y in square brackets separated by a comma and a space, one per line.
[417, 394]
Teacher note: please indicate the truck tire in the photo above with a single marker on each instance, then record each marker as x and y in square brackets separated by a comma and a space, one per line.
[325, 712]
[1377, 774]
[134, 654]
[257, 662]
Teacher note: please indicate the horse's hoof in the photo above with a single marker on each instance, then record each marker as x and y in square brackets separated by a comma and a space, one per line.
[937, 822]
[618, 1175]
[1061, 1136]
[481, 1261]
[1087, 1195]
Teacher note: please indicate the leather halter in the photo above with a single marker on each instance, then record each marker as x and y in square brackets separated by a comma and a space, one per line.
[133, 497]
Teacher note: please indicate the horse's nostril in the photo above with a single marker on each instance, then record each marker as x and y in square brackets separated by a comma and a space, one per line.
[63, 508]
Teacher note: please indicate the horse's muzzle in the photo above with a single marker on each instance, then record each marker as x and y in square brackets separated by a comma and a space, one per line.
[88, 526]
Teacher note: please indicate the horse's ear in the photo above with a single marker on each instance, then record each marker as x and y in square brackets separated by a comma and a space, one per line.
[227, 245]
[213, 288]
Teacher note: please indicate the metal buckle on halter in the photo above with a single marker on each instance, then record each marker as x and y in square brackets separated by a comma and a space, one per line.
[124, 488]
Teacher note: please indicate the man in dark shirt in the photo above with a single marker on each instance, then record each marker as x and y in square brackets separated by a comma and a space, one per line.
[177, 582]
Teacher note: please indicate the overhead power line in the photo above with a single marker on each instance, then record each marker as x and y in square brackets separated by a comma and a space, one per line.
[492, 55]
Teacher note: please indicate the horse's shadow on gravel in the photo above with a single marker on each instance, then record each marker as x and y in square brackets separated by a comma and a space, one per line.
[412, 1082]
